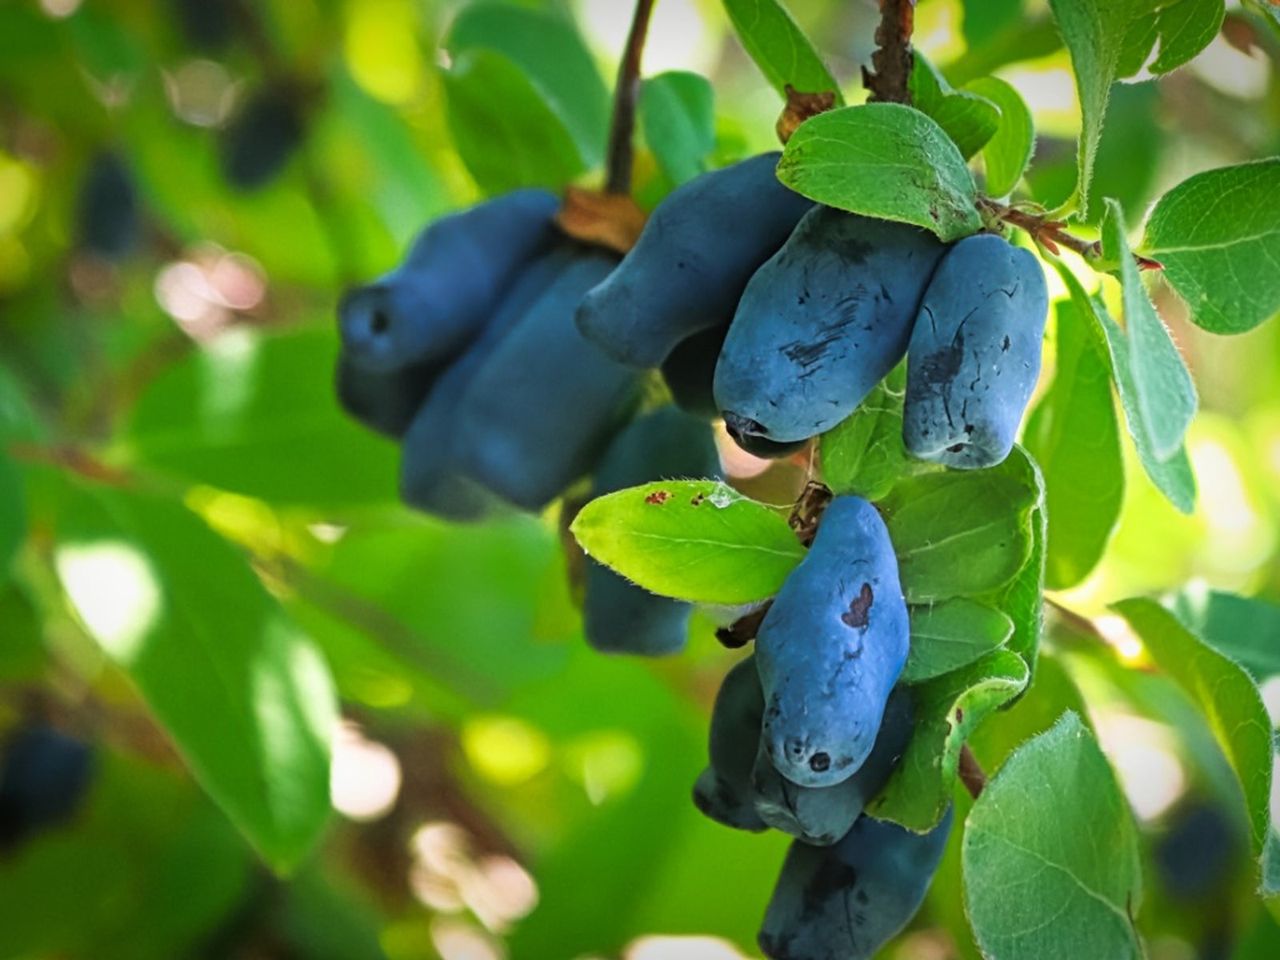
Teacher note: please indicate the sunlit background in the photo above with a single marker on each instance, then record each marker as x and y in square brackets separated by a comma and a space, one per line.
[499, 790]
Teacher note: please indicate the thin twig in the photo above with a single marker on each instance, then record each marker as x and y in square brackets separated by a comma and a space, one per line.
[625, 96]
[972, 775]
[1052, 234]
[890, 74]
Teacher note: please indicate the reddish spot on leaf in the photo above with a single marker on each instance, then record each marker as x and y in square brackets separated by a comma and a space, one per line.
[697, 501]
[859, 608]
[959, 715]
[658, 497]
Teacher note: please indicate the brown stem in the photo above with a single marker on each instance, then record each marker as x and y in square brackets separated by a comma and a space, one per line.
[625, 95]
[972, 775]
[889, 78]
[73, 459]
[1052, 234]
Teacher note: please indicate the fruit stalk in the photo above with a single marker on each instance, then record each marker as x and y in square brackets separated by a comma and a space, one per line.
[890, 74]
[626, 93]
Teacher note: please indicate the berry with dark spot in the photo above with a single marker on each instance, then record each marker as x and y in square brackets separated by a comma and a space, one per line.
[822, 815]
[822, 322]
[975, 354]
[832, 646]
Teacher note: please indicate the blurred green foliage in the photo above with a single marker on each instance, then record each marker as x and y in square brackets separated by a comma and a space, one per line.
[177, 481]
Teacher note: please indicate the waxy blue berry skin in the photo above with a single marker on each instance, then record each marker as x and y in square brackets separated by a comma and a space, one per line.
[692, 260]
[543, 407]
[723, 791]
[821, 323]
[430, 479]
[974, 355]
[846, 901]
[455, 276]
[822, 815]
[832, 647]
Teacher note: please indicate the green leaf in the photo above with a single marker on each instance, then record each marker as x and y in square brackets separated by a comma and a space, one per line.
[258, 416]
[969, 119]
[1246, 629]
[246, 698]
[1023, 599]
[1225, 694]
[1182, 27]
[946, 710]
[1165, 394]
[1129, 151]
[551, 53]
[962, 532]
[1094, 32]
[864, 453]
[677, 114]
[1173, 477]
[1051, 865]
[779, 47]
[13, 513]
[1074, 435]
[1008, 153]
[504, 129]
[883, 160]
[697, 540]
[951, 635]
[1218, 236]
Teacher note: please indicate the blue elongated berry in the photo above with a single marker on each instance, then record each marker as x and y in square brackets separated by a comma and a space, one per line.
[831, 648]
[723, 791]
[821, 323]
[822, 815]
[846, 901]
[692, 261]
[430, 478]
[975, 354]
[455, 276]
[544, 405]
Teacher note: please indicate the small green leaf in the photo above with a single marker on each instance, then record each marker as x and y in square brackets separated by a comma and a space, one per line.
[504, 129]
[864, 454]
[883, 160]
[259, 416]
[1246, 629]
[969, 118]
[951, 635]
[1173, 477]
[677, 113]
[13, 513]
[1008, 153]
[697, 540]
[1129, 151]
[1225, 694]
[1050, 850]
[779, 47]
[1218, 236]
[1023, 599]
[552, 55]
[962, 532]
[247, 700]
[1182, 27]
[1094, 32]
[984, 18]
[1165, 393]
[1074, 435]
[946, 709]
